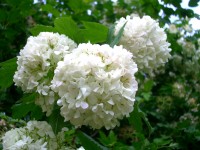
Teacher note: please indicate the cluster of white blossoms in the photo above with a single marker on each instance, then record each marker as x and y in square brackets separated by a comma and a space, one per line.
[37, 62]
[96, 85]
[189, 59]
[189, 48]
[146, 40]
[37, 135]
[192, 66]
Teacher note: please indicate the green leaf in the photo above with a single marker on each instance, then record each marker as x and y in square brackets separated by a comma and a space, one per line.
[148, 85]
[37, 113]
[182, 125]
[14, 16]
[193, 3]
[41, 28]
[110, 34]
[3, 15]
[78, 6]
[123, 147]
[112, 136]
[7, 71]
[89, 143]
[103, 138]
[25, 7]
[141, 142]
[118, 37]
[26, 106]
[94, 32]
[146, 95]
[13, 2]
[70, 135]
[28, 98]
[135, 118]
[56, 121]
[143, 116]
[51, 2]
[109, 140]
[162, 141]
[67, 26]
[50, 9]
[174, 146]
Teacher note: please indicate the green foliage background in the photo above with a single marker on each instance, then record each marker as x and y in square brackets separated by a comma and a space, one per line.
[166, 115]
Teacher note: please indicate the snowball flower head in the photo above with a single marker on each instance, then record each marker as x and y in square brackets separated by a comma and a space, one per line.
[36, 135]
[96, 85]
[38, 59]
[146, 40]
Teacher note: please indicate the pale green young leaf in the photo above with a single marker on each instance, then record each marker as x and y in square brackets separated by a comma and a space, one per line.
[110, 36]
[67, 26]
[118, 36]
[146, 95]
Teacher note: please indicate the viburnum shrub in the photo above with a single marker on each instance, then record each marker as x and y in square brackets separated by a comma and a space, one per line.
[85, 76]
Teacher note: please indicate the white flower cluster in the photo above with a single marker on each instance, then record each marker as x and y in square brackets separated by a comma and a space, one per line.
[192, 66]
[189, 60]
[96, 85]
[37, 135]
[93, 84]
[146, 40]
[188, 47]
[37, 62]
